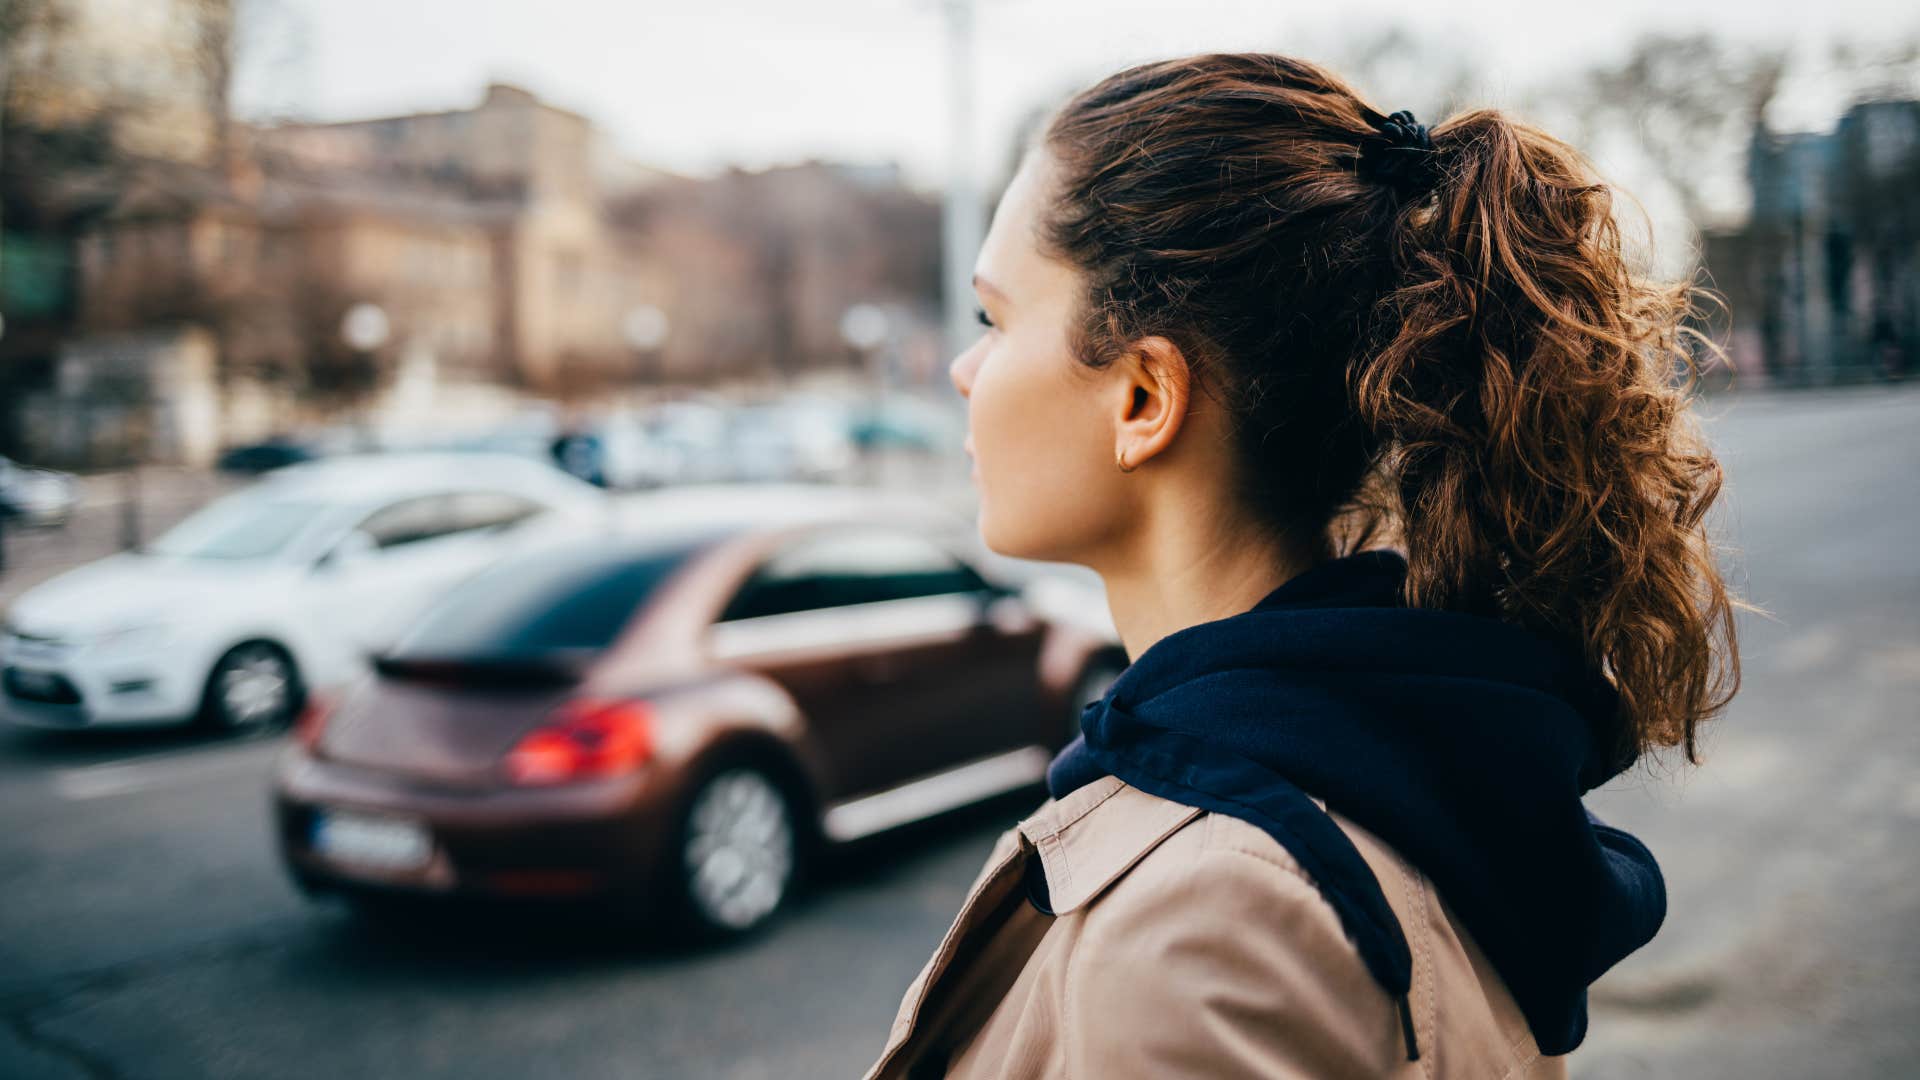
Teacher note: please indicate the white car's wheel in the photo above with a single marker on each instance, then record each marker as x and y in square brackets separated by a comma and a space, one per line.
[738, 850]
[254, 687]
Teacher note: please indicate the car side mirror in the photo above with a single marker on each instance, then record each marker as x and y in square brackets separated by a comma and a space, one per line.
[351, 548]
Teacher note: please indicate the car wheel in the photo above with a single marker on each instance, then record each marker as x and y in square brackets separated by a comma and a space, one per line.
[254, 687]
[1089, 688]
[738, 848]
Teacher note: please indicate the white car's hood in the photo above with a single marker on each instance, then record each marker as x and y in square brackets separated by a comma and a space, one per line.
[131, 590]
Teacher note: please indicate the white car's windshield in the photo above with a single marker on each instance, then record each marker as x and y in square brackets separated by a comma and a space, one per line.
[239, 527]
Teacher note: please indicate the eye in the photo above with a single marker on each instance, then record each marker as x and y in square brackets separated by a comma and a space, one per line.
[980, 316]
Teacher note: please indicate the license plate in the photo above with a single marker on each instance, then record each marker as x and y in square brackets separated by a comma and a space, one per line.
[379, 843]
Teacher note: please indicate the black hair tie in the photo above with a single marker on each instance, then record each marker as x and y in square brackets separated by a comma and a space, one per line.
[1400, 154]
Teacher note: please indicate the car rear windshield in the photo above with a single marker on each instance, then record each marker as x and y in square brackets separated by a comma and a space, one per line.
[540, 604]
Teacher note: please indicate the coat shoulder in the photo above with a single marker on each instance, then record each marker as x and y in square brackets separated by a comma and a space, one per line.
[1137, 839]
[1219, 925]
[1218, 875]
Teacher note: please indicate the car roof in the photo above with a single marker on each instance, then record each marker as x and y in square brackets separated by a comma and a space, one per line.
[719, 508]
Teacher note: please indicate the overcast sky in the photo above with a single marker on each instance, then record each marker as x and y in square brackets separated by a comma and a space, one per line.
[694, 85]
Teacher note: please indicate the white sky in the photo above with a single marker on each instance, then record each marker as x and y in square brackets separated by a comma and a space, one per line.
[696, 84]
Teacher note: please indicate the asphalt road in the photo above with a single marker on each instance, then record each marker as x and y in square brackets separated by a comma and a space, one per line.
[146, 931]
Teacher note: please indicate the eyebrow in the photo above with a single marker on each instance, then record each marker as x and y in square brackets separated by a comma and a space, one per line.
[984, 285]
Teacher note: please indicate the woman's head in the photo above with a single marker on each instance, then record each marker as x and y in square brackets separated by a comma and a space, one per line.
[1217, 283]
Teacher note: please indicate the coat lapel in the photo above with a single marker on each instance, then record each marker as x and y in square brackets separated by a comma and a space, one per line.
[1085, 842]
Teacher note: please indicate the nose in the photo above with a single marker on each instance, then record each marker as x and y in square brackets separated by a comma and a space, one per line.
[961, 371]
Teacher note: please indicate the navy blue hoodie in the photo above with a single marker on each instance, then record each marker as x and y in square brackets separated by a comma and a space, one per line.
[1462, 741]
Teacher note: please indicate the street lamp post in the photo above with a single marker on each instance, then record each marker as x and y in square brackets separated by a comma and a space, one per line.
[364, 328]
[961, 214]
[864, 327]
[645, 329]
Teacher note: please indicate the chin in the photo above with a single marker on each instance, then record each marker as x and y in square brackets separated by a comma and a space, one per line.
[1024, 536]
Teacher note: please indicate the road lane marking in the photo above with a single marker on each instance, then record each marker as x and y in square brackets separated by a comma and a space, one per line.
[122, 778]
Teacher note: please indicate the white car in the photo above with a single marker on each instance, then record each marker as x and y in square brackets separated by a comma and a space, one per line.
[234, 615]
[788, 441]
[37, 496]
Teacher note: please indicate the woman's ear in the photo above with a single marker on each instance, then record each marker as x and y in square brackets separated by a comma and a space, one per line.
[1155, 384]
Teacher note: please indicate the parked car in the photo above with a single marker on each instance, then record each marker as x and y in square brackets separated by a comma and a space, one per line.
[529, 443]
[33, 496]
[789, 441]
[671, 722]
[265, 456]
[905, 423]
[687, 442]
[231, 616]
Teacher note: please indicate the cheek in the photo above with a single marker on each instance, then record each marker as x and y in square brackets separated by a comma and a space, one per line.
[1046, 483]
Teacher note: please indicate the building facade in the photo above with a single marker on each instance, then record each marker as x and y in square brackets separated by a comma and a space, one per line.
[1823, 280]
[504, 245]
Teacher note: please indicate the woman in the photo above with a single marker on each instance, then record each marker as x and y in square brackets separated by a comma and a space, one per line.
[1372, 434]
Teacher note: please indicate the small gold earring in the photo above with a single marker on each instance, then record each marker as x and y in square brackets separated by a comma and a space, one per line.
[1122, 462]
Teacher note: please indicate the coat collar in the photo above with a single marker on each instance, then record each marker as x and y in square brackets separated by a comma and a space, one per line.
[1084, 840]
[1095, 833]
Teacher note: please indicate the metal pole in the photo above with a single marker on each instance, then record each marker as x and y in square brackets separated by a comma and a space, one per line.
[962, 217]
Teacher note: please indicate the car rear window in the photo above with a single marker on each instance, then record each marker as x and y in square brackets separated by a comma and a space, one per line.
[539, 604]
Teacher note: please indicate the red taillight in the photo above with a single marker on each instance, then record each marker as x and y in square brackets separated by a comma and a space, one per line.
[312, 721]
[586, 739]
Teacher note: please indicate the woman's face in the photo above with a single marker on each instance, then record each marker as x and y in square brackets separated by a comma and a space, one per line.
[1040, 425]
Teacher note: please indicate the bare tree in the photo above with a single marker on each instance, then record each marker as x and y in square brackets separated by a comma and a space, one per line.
[212, 55]
[1395, 68]
[1880, 69]
[1687, 104]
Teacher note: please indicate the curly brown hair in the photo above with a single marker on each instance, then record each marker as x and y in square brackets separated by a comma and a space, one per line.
[1473, 367]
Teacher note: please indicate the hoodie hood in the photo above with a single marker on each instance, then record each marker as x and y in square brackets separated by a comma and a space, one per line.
[1462, 741]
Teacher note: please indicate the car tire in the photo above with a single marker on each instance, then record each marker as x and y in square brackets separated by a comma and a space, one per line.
[737, 851]
[1088, 688]
[253, 687]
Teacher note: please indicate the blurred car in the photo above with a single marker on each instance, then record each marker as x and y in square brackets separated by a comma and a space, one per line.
[671, 722]
[630, 457]
[904, 423]
[265, 456]
[789, 442]
[687, 442]
[579, 454]
[229, 617]
[37, 496]
[520, 442]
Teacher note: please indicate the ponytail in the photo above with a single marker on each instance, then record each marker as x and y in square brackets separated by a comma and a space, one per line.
[1540, 458]
[1464, 358]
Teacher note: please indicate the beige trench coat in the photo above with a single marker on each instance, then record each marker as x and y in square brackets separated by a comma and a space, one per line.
[1190, 944]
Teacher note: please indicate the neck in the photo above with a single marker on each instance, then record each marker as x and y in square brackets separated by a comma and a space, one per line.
[1184, 566]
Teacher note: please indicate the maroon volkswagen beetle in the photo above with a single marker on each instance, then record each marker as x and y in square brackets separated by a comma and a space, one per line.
[672, 718]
